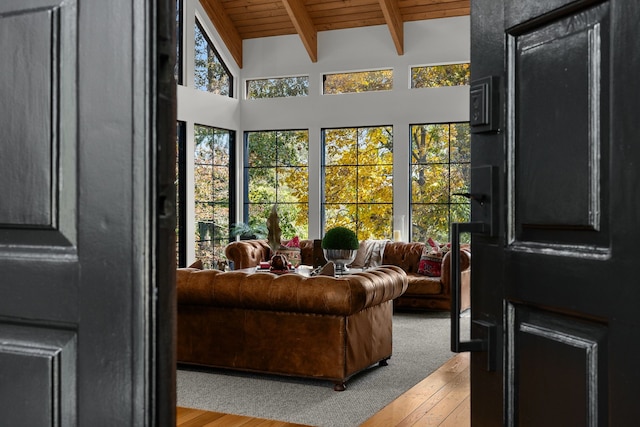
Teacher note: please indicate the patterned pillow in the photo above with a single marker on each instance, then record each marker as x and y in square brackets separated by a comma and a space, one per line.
[431, 259]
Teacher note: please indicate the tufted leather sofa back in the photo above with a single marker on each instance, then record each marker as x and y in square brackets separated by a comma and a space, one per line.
[249, 253]
[290, 292]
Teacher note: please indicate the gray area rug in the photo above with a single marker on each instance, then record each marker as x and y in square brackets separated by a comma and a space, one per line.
[421, 343]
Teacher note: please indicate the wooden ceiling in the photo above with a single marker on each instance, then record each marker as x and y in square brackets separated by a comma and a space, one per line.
[237, 20]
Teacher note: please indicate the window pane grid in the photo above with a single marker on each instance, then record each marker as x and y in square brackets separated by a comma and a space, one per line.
[212, 192]
[276, 172]
[440, 167]
[358, 180]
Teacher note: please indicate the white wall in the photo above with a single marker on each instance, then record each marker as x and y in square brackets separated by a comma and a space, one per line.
[438, 41]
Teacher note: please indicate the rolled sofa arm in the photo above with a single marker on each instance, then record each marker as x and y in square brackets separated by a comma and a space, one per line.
[247, 253]
[465, 265]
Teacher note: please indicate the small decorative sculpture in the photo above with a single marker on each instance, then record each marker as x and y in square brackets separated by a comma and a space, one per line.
[279, 263]
[275, 243]
[273, 225]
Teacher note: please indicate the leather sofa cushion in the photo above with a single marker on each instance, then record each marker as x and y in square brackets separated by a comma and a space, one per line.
[420, 284]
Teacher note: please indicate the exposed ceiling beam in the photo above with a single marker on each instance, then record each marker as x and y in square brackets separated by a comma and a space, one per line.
[225, 28]
[304, 26]
[391, 12]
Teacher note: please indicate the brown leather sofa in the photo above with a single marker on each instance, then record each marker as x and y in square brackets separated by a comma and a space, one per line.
[423, 292]
[319, 327]
[249, 253]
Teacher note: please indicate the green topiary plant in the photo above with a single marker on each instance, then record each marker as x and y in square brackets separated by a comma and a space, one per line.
[340, 238]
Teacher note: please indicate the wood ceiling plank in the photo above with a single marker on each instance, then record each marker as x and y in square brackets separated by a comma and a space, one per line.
[342, 26]
[261, 32]
[243, 8]
[304, 25]
[225, 27]
[337, 5]
[426, 10]
[412, 3]
[353, 20]
[280, 20]
[394, 20]
[449, 13]
[437, 11]
[346, 11]
[457, 4]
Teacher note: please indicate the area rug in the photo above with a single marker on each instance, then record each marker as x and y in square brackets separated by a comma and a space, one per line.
[421, 343]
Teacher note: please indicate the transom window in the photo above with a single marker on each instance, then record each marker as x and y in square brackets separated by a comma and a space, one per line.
[211, 73]
[279, 87]
[276, 172]
[440, 167]
[213, 178]
[361, 81]
[440, 75]
[358, 180]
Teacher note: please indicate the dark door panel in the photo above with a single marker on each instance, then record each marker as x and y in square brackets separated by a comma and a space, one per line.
[558, 280]
[558, 122]
[84, 166]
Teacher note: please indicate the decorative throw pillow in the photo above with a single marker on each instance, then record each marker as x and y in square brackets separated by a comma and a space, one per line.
[291, 250]
[329, 269]
[198, 264]
[361, 255]
[431, 259]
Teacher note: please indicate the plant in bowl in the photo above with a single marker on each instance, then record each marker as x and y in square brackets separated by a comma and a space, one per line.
[340, 245]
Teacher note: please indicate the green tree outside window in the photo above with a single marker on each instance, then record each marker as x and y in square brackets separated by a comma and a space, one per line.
[211, 73]
[440, 167]
[212, 174]
[358, 180]
[277, 173]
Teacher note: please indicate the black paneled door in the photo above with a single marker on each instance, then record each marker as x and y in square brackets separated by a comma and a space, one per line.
[555, 288]
[83, 214]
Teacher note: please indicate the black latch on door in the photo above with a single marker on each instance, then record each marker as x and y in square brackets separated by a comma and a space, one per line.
[484, 202]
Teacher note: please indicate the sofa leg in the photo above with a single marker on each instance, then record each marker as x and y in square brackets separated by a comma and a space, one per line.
[339, 386]
[384, 362]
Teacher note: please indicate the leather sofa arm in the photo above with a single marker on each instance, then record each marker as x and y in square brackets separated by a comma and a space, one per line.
[247, 253]
[445, 275]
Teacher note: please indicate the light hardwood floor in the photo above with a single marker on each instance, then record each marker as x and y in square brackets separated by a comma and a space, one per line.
[441, 399]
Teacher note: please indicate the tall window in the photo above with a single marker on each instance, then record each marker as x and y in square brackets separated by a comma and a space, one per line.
[181, 190]
[440, 167]
[211, 73]
[213, 175]
[358, 180]
[276, 172]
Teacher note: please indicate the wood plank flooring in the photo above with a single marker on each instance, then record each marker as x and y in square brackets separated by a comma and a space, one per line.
[442, 399]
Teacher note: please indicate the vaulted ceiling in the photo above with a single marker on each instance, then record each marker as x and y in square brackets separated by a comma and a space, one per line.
[237, 20]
